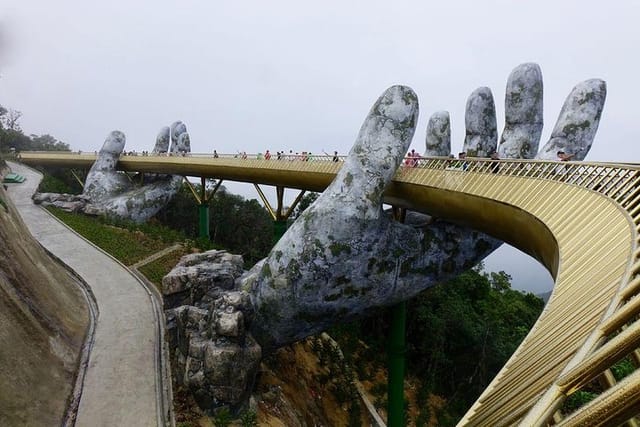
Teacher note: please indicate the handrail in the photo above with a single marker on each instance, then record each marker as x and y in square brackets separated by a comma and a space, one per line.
[580, 219]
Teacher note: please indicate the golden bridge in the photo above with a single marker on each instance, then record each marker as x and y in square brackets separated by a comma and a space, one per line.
[579, 219]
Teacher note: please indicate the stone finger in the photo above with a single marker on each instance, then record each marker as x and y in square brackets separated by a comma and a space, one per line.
[184, 143]
[176, 129]
[162, 140]
[103, 180]
[438, 140]
[383, 140]
[578, 121]
[523, 113]
[480, 122]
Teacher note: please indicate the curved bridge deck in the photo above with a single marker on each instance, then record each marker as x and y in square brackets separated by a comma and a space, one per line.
[580, 220]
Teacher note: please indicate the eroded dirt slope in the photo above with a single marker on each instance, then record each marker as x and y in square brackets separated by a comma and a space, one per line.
[43, 322]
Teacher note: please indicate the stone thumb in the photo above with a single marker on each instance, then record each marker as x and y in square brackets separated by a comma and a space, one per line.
[383, 140]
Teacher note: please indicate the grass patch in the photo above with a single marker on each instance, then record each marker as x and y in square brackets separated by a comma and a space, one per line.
[128, 245]
[156, 270]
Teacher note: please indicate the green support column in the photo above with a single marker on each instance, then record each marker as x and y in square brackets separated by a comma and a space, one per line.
[203, 220]
[279, 228]
[396, 353]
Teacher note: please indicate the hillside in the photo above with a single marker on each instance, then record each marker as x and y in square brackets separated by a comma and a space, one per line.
[44, 319]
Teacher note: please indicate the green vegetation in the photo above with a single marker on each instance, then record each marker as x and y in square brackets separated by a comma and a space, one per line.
[303, 204]
[241, 226]
[156, 270]
[222, 418]
[58, 180]
[459, 335]
[128, 244]
[249, 418]
[13, 139]
[339, 377]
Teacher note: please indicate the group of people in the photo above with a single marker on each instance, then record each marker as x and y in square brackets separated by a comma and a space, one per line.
[135, 153]
[413, 159]
[304, 156]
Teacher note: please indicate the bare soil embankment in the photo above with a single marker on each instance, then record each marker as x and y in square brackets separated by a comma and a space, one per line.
[44, 319]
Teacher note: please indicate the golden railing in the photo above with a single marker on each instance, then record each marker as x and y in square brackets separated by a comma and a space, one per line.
[580, 220]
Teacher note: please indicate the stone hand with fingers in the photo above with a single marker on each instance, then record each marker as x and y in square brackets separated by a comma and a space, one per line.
[573, 133]
[109, 192]
[344, 255]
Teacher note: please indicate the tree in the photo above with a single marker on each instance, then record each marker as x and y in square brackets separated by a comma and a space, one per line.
[459, 334]
[3, 113]
[47, 142]
[9, 119]
[12, 137]
[236, 224]
[304, 203]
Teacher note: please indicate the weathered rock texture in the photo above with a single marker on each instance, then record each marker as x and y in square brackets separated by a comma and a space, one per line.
[578, 121]
[43, 322]
[109, 192]
[199, 279]
[438, 140]
[523, 113]
[480, 121]
[213, 354]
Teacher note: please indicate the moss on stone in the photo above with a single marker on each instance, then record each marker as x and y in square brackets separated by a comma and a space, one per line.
[350, 291]
[386, 266]
[342, 280]
[427, 238]
[525, 149]
[573, 128]
[481, 246]
[448, 266]
[337, 248]
[293, 270]
[348, 179]
[266, 270]
[333, 297]
[587, 97]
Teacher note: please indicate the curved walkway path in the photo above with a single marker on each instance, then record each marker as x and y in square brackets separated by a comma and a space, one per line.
[123, 384]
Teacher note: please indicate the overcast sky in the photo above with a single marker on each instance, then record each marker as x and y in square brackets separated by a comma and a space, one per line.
[257, 75]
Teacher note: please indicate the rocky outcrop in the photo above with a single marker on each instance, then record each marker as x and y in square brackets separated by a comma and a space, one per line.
[213, 353]
[199, 279]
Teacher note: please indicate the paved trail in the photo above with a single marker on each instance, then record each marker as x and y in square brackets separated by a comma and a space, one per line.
[123, 385]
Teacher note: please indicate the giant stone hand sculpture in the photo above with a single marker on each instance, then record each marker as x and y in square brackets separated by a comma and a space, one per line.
[109, 192]
[344, 256]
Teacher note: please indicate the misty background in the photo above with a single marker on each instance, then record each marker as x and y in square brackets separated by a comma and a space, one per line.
[285, 75]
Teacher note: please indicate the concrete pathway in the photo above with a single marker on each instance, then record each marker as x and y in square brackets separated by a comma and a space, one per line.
[123, 384]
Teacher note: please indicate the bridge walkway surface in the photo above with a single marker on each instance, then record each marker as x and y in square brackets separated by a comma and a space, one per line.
[581, 220]
[123, 384]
